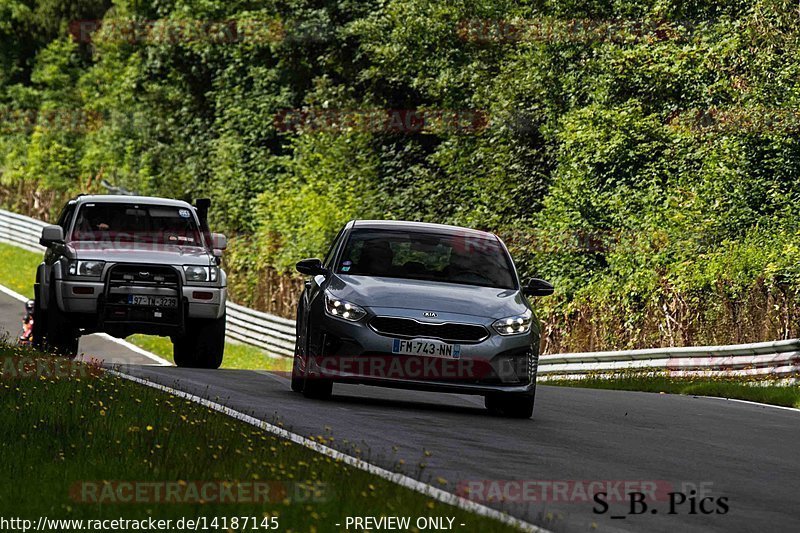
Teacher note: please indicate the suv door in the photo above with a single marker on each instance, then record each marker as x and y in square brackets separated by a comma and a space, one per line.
[53, 253]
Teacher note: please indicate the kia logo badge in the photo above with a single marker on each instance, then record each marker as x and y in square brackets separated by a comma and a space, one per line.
[429, 314]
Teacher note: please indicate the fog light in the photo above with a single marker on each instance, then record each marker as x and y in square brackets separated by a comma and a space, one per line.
[82, 290]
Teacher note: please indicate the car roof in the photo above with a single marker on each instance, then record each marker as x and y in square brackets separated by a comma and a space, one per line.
[419, 226]
[124, 199]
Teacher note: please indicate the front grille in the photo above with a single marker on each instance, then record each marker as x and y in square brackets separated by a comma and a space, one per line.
[446, 331]
[124, 280]
[143, 276]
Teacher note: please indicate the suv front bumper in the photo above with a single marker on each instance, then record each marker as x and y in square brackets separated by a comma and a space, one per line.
[85, 297]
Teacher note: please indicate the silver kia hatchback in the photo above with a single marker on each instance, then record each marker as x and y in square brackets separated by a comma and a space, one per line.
[419, 306]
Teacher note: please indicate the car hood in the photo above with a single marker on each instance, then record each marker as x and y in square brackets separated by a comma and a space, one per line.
[379, 292]
[161, 254]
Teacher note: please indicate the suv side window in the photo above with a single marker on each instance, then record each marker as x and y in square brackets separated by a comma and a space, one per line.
[65, 219]
[327, 263]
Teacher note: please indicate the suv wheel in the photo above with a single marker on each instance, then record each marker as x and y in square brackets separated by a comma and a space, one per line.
[62, 336]
[510, 405]
[39, 330]
[202, 345]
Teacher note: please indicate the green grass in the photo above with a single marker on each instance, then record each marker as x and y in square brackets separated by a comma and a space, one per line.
[96, 428]
[18, 268]
[18, 272]
[754, 391]
[237, 355]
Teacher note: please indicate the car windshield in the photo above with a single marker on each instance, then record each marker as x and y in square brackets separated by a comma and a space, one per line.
[450, 258]
[154, 224]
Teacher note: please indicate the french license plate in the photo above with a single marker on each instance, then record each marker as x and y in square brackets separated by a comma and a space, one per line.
[152, 301]
[428, 348]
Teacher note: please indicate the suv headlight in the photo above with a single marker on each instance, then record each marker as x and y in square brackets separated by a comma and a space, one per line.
[92, 269]
[200, 273]
[343, 309]
[514, 325]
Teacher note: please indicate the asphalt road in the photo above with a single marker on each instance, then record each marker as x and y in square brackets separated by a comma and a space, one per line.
[742, 452]
[97, 346]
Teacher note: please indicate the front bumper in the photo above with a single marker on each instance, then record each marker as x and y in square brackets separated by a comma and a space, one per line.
[89, 300]
[353, 352]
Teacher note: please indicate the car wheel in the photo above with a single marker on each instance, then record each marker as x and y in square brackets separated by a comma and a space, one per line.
[315, 386]
[39, 330]
[510, 405]
[319, 389]
[202, 345]
[297, 377]
[62, 336]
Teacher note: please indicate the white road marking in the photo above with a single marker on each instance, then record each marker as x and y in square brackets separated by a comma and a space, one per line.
[394, 477]
[753, 403]
[15, 295]
[132, 347]
[153, 357]
[280, 379]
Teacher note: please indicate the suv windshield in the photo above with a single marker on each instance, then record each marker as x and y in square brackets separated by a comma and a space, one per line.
[464, 259]
[136, 223]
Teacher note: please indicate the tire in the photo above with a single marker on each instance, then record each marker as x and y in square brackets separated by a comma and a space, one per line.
[39, 333]
[297, 377]
[318, 389]
[510, 405]
[62, 336]
[202, 345]
[297, 374]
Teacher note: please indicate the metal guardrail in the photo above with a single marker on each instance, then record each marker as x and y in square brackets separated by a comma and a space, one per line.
[21, 231]
[276, 335]
[776, 358]
[269, 332]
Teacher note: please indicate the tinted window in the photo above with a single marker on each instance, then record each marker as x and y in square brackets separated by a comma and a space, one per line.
[136, 223]
[66, 217]
[332, 250]
[463, 259]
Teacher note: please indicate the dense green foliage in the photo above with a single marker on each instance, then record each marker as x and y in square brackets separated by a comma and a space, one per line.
[644, 156]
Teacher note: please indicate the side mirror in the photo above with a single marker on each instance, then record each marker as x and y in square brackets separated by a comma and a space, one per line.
[219, 242]
[537, 287]
[311, 267]
[52, 235]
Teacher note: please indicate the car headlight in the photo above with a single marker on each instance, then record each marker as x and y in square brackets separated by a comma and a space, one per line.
[200, 273]
[514, 325]
[343, 309]
[92, 269]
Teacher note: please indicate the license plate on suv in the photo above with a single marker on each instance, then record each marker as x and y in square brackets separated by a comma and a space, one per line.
[427, 348]
[152, 301]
